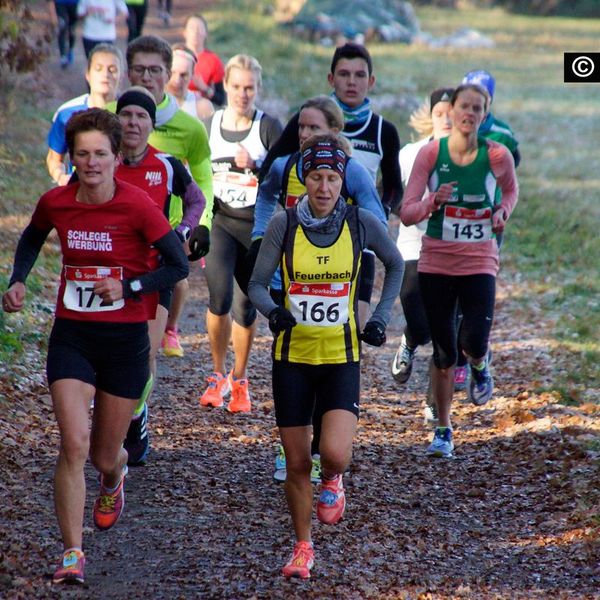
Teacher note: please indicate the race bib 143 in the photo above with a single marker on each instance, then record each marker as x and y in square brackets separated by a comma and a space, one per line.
[466, 224]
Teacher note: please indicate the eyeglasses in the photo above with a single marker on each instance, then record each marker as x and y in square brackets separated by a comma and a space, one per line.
[153, 70]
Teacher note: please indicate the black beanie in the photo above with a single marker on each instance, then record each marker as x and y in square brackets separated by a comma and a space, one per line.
[136, 98]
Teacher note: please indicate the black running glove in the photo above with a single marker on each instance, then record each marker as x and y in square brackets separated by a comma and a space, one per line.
[281, 319]
[199, 242]
[244, 272]
[373, 334]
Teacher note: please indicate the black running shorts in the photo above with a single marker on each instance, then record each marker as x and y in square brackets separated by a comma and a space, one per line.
[300, 389]
[113, 357]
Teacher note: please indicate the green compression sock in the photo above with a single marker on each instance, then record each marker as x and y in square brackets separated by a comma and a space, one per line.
[142, 401]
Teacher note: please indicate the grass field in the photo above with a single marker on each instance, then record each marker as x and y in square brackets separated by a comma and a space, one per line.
[552, 246]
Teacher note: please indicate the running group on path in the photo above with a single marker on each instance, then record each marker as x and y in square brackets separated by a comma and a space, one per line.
[182, 165]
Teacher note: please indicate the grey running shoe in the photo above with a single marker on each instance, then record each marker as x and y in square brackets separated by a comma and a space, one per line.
[481, 386]
[403, 362]
[430, 414]
[442, 445]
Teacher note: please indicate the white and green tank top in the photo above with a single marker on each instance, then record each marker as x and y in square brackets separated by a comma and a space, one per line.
[467, 217]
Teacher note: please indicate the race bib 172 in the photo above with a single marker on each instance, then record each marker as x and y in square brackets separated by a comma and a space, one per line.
[79, 288]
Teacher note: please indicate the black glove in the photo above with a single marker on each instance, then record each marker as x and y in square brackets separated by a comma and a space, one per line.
[281, 319]
[199, 242]
[373, 334]
[244, 272]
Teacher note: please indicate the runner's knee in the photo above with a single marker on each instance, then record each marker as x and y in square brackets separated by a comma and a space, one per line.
[75, 447]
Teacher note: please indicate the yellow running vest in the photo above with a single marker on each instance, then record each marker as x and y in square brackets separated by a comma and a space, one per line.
[293, 188]
[321, 292]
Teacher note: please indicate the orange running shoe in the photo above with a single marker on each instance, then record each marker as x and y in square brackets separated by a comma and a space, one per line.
[109, 505]
[71, 566]
[240, 397]
[170, 344]
[218, 388]
[302, 561]
[332, 501]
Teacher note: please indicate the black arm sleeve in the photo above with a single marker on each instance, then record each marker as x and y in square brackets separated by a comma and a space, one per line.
[30, 243]
[391, 180]
[218, 98]
[287, 143]
[174, 266]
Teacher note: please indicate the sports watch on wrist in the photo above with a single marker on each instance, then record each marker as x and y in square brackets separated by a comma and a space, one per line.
[135, 285]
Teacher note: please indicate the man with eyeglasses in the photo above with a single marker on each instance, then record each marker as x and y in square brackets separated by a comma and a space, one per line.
[149, 62]
[103, 75]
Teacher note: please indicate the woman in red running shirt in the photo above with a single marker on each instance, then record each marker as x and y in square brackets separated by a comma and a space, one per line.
[208, 71]
[98, 348]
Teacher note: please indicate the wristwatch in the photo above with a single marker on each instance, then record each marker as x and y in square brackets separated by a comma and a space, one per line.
[184, 233]
[135, 285]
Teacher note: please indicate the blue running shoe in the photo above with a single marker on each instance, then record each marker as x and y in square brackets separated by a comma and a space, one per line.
[137, 442]
[442, 445]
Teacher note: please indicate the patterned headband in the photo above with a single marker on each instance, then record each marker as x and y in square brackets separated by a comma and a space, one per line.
[324, 155]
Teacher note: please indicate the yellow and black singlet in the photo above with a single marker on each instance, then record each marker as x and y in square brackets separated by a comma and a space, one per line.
[320, 285]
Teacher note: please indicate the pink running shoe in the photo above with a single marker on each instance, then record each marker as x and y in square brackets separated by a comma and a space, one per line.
[71, 567]
[302, 561]
[109, 505]
[460, 378]
[332, 501]
[170, 344]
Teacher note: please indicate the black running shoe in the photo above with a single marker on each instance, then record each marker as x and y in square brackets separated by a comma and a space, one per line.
[137, 442]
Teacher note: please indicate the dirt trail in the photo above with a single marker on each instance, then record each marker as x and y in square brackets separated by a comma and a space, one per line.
[512, 516]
